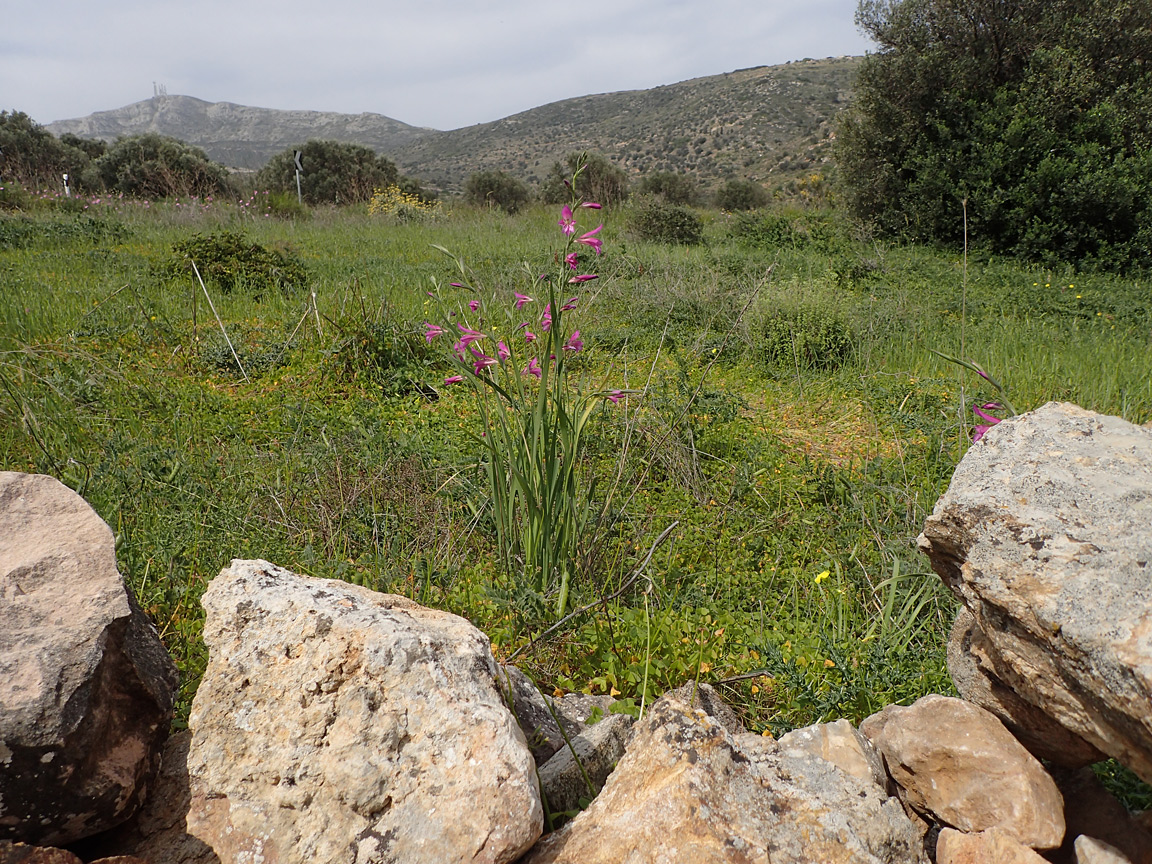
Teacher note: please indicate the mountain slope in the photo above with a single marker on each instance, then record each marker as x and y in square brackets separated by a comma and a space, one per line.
[769, 124]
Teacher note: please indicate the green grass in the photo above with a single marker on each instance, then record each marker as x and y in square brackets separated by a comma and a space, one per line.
[341, 454]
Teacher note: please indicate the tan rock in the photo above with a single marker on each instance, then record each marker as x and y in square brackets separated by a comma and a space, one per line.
[687, 790]
[1090, 809]
[22, 853]
[957, 762]
[590, 758]
[841, 744]
[1089, 850]
[1045, 534]
[335, 724]
[994, 846]
[86, 688]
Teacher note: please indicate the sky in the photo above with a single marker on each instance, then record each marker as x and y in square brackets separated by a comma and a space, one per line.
[443, 64]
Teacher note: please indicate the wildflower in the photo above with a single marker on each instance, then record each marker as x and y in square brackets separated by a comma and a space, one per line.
[574, 343]
[589, 240]
[483, 361]
[567, 221]
[457, 284]
[529, 336]
[571, 304]
[591, 205]
[990, 420]
[546, 320]
[820, 577]
[533, 368]
[432, 332]
[521, 299]
[570, 258]
[453, 379]
[473, 305]
[469, 336]
[615, 396]
[586, 277]
[502, 351]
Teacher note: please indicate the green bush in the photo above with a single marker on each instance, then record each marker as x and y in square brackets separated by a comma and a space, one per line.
[34, 158]
[335, 172]
[659, 222]
[230, 261]
[156, 166]
[496, 189]
[672, 187]
[740, 195]
[807, 337]
[799, 229]
[599, 180]
[13, 196]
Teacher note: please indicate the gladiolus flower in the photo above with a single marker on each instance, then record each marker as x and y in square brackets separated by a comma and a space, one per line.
[521, 299]
[590, 240]
[570, 258]
[483, 361]
[990, 421]
[459, 348]
[586, 277]
[502, 351]
[571, 304]
[533, 368]
[473, 305]
[432, 332]
[457, 284]
[591, 205]
[615, 396]
[546, 320]
[469, 336]
[529, 336]
[567, 221]
[453, 379]
[574, 343]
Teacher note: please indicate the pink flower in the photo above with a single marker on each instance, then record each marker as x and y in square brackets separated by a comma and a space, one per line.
[457, 285]
[483, 361]
[459, 348]
[567, 221]
[589, 240]
[571, 304]
[574, 343]
[473, 305]
[990, 420]
[533, 368]
[586, 277]
[432, 332]
[591, 205]
[521, 299]
[546, 320]
[570, 258]
[529, 336]
[453, 379]
[615, 396]
[502, 351]
[469, 336]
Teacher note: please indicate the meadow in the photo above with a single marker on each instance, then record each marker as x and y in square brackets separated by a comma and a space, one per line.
[787, 420]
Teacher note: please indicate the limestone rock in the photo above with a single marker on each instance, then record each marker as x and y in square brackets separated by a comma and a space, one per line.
[956, 761]
[597, 749]
[687, 790]
[842, 745]
[22, 853]
[1091, 809]
[1045, 534]
[86, 689]
[335, 724]
[1089, 850]
[531, 709]
[704, 696]
[994, 846]
[578, 708]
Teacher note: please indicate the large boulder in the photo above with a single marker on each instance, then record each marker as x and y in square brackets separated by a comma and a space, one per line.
[335, 724]
[688, 790]
[1045, 534]
[956, 762]
[86, 688]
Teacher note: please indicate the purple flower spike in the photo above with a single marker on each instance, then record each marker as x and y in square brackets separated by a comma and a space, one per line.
[981, 411]
[570, 259]
[469, 336]
[473, 305]
[483, 361]
[586, 277]
[457, 284]
[567, 221]
[453, 379]
[533, 368]
[521, 299]
[591, 205]
[615, 396]
[571, 304]
[590, 240]
[574, 343]
[529, 336]
[502, 351]
[546, 320]
[432, 332]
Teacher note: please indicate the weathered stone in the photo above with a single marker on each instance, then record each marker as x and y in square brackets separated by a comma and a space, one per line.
[957, 762]
[578, 708]
[1089, 850]
[531, 708]
[994, 846]
[704, 696]
[1091, 809]
[86, 689]
[968, 664]
[841, 744]
[22, 853]
[1045, 534]
[335, 724]
[597, 750]
[687, 790]
[121, 859]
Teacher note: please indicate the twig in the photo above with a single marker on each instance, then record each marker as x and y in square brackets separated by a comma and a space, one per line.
[212, 306]
[627, 584]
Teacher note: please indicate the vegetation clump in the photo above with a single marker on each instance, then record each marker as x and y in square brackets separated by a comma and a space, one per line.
[660, 222]
[155, 166]
[403, 206]
[672, 186]
[231, 261]
[598, 180]
[334, 172]
[738, 195]
[496, 189]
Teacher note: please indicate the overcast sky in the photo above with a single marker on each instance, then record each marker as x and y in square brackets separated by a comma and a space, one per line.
[438, 63]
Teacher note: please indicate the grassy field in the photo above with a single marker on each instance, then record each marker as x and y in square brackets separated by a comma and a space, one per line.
[792, 420]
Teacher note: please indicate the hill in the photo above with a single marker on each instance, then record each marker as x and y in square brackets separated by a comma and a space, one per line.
[769, 124]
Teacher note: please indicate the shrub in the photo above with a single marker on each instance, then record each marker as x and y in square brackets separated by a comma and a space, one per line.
[740, 195]
[672, 187]
[796, 229]
[808, 337]
[402, 205]
[334, 172]
[496, 189]
[156, 166]
[598, 180]
[660, 222]
[230, 260]
[34, 158]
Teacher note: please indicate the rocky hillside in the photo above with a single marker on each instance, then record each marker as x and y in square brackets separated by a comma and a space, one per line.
[769, 124]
